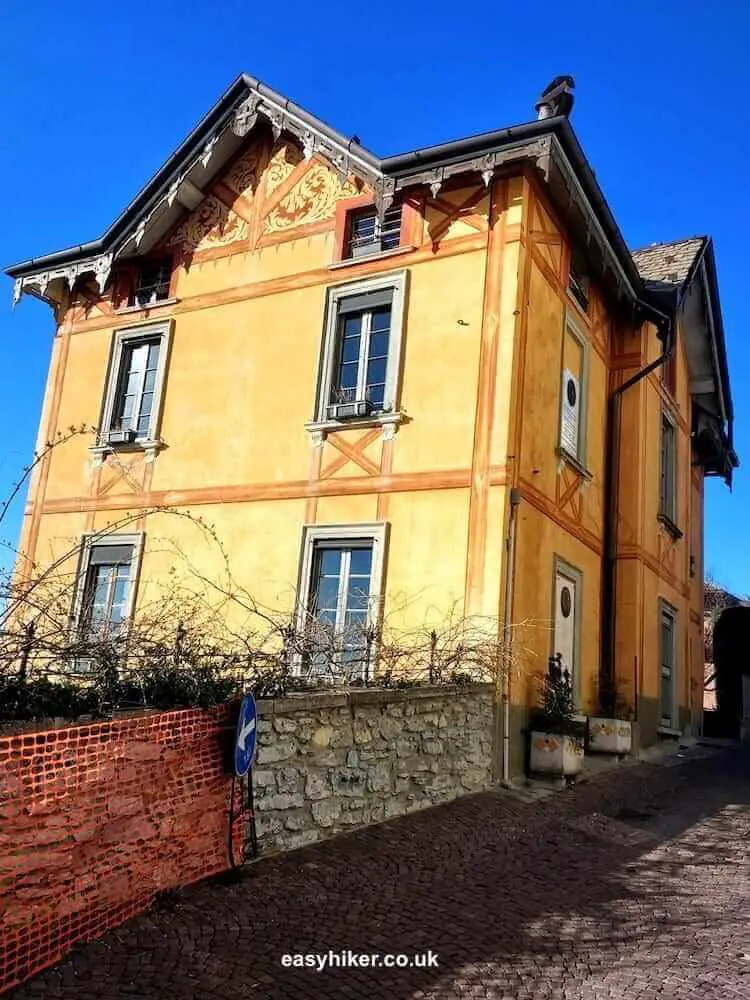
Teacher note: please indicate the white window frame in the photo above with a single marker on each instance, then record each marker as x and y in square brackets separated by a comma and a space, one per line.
[375, 532]
[573, 327]
[397, 281]
[669, 514]
[562, 568]
[668, 610]
[122, 339]
[88, 543]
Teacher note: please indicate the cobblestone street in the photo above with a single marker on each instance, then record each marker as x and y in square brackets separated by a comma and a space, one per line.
[635, 884]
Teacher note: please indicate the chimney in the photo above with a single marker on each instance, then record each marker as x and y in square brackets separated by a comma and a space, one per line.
[556, 98]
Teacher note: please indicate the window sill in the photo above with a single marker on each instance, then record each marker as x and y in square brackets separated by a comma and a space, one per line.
[671, 527]
[388, 421]
[127, 310]
[383, 255]
[571, 460]
[149, 448]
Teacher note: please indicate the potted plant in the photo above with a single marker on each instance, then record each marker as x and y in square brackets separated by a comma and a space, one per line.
[611, 732]
[556, 734]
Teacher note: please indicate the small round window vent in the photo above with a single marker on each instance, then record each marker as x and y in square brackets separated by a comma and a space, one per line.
[566, 602]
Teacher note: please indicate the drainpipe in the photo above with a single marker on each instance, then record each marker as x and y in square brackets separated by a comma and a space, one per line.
[510, 558]
[611, 505]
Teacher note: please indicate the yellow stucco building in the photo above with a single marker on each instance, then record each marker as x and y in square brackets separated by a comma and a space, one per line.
[421, 386]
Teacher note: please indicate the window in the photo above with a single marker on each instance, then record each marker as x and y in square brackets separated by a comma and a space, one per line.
[667, 644]
[341, 578]
[578, 282]
[105, 588]
[362, 348]
[668, 489]
[574, 392]
[366, 234]
[152, 282]
[133, 395]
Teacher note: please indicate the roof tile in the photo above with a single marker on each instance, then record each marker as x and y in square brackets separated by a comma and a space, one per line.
[668, 263]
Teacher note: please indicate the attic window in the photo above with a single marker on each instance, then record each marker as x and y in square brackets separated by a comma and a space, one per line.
[368, 235]
[578, 284]
[152, 282]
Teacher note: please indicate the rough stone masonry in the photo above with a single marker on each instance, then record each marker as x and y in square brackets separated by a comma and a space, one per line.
[330, 762]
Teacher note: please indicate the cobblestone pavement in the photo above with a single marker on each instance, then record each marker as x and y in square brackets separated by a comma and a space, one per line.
[632, 885]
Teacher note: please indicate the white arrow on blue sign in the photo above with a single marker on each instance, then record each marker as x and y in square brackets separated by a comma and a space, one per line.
[244, 749]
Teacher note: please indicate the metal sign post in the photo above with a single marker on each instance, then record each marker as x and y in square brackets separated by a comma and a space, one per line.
[244, 754]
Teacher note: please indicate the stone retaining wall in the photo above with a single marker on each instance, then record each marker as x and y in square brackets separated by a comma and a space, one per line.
[327, 763]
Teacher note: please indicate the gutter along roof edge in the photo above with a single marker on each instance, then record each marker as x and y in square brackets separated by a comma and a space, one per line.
[398, 166]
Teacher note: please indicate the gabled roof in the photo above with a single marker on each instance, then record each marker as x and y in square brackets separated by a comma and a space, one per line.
[549, 144]
[682, 276]
[669, 263]
[637, 284]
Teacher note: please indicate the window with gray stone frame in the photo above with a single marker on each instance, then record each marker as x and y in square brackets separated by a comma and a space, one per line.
[668, 469]
[104, 594]
[135, 384]
[340, 592]
[361, 354]
[668, 665]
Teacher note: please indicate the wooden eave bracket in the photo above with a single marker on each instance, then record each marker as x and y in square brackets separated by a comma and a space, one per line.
[184, 189]
[539, 152]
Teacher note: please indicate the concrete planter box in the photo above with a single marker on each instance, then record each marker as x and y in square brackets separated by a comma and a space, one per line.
[610, 736]
[553, 753]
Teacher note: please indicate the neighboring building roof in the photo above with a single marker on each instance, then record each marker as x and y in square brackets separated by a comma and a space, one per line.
[682, 275]
[716, 598]
[669, 263]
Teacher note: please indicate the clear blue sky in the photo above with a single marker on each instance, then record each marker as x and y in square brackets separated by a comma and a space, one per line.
[95, 96]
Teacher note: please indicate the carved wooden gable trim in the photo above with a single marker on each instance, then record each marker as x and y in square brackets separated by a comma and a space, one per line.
[211, 225]
[267, 194]
[311, 199]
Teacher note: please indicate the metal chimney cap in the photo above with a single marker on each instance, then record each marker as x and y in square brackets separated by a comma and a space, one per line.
[556, 98]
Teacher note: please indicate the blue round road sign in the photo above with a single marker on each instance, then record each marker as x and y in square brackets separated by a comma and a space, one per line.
[247, 726]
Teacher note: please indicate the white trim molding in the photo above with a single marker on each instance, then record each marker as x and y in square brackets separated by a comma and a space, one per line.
[579, 334]
[667, 610]
[99, 267]
[562, 568]
[390, 416]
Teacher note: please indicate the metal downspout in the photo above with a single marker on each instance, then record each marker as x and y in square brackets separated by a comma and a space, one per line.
[609, 589]
[510, 558]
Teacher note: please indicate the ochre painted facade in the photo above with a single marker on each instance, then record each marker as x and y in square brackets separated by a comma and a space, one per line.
[486, 335]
